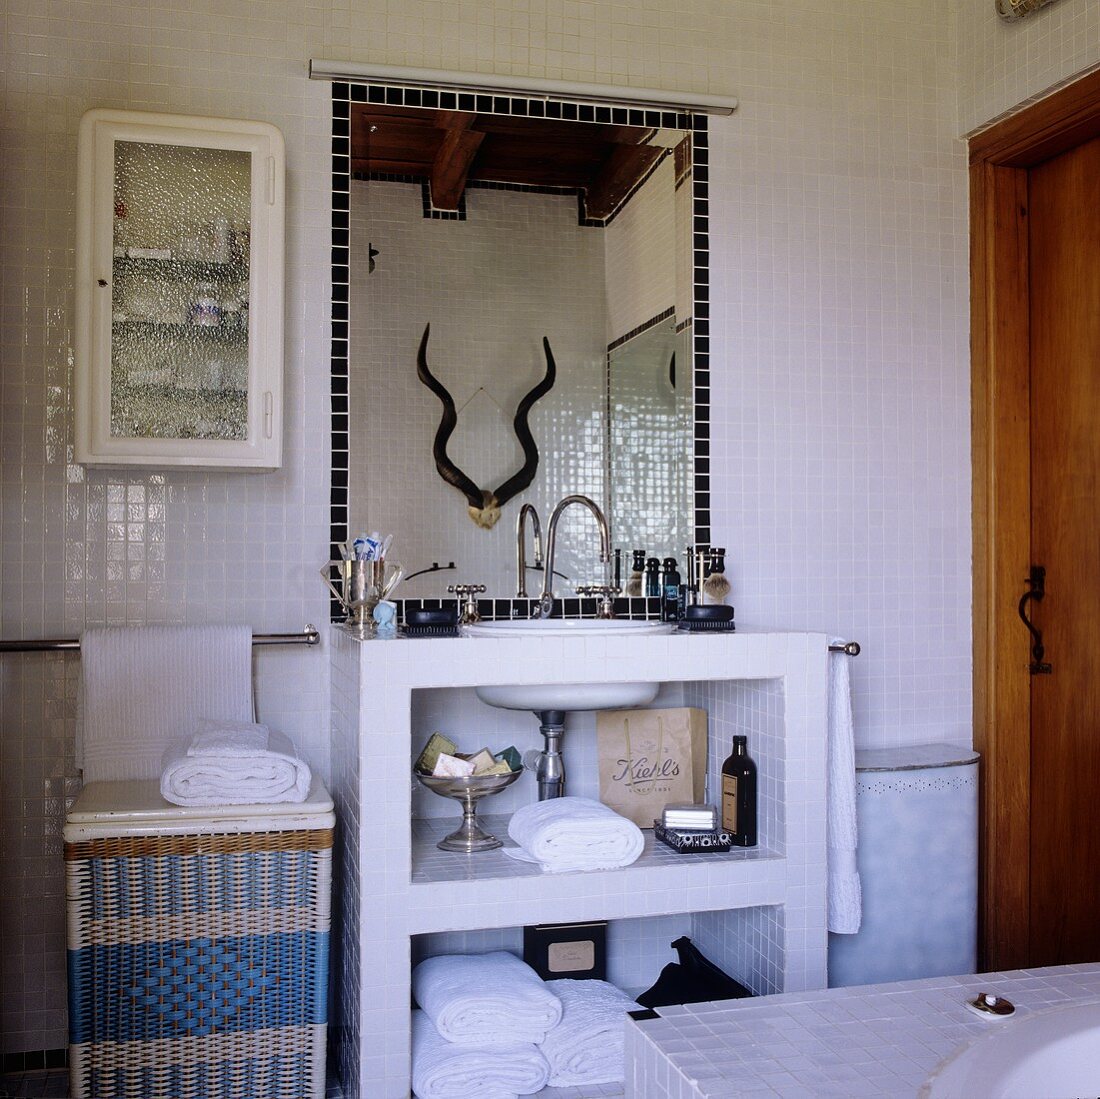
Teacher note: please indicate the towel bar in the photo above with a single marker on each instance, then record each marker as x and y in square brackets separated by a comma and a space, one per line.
[309, 636]
[851, 648]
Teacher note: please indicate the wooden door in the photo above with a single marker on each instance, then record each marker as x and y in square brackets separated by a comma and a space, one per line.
[1064, 290]
[1040, 837]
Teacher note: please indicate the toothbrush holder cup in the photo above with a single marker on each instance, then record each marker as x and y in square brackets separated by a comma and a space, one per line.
[360, 586]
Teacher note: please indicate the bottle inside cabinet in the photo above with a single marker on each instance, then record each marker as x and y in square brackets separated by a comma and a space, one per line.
[179, 242]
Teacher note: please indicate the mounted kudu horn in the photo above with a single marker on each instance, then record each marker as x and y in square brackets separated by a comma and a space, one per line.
[485, 505]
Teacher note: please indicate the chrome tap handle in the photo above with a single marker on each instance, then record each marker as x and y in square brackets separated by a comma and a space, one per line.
[466, 594]
[606, 592]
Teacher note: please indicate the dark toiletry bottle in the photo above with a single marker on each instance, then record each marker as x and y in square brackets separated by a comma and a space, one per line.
[670, 597]
[739, 795]
[653, 577]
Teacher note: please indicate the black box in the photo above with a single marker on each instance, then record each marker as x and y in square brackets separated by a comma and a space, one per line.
[574, 950]
[685, 841]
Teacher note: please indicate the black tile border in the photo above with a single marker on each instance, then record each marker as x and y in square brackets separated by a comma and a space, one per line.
[33, 1060]
[645, 326]
[343, 95]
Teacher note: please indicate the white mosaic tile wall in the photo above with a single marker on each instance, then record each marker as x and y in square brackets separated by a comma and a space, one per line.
[517, 269]
[1002, 65]
[347, 875]
[838, 257]
[642, 250]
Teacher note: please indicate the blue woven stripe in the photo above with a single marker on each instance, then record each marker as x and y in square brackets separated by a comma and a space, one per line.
[270, 1076]
[182, 884]
[141, 991]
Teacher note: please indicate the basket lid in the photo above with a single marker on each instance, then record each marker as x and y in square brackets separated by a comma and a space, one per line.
[135, 807]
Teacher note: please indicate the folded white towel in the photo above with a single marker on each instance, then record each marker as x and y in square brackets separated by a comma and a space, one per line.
[844, 895]
[234, 775]
[443, 1070]
[485, 1000]
[228, 738]
[573, 834]
[143, 688]
[586, 1047]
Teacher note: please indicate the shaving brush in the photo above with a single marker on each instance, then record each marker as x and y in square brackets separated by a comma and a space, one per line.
[715, 586]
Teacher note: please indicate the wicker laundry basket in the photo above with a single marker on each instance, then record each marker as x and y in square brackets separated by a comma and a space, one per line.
[198, 946]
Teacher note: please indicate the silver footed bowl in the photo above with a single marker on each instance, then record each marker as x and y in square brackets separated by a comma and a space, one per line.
[469, 789]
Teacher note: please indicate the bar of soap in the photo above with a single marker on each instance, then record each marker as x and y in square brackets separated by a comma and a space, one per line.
[511, 757]
[500, 768]
[447, 766]
[482, 761]
[437, 745]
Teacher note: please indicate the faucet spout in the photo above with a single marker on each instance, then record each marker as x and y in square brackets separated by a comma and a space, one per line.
[521, 547]
[546, 599]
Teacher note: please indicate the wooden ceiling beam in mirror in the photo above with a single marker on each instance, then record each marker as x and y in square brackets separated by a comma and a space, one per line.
[624, 169]
[453, 158]
[452, 148]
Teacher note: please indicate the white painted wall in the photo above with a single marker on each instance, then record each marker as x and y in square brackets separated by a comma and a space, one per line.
[840, 426]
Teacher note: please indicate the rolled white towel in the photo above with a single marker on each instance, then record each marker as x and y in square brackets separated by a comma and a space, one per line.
[443, 1070]
[224, 765]
[574, 834]
[485, 1000]
[586, 1047]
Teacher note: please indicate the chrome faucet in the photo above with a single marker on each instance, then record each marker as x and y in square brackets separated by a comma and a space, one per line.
[521, 548]
[546, 599]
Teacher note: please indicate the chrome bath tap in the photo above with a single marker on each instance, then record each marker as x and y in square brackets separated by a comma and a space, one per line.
[521, 548]
[546, 599]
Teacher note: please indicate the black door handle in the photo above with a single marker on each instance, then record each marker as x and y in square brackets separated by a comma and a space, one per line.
[1037, 584]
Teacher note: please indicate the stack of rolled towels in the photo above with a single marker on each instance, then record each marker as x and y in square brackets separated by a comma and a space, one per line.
[233, 763]
[489, 1028]
[572, 833]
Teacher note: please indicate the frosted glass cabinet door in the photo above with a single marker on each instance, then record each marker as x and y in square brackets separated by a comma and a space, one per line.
[179, 337]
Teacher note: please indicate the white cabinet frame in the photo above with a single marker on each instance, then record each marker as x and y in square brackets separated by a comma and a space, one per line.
[261, 449]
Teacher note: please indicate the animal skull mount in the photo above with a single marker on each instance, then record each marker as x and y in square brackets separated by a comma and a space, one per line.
[485, 504]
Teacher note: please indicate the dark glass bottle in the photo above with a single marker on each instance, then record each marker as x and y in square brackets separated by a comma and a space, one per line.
[739, 795]
[653, 577]
[670, 597]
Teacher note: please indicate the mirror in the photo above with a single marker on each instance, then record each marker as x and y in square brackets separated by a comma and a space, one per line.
[650, 406]
[501, 232]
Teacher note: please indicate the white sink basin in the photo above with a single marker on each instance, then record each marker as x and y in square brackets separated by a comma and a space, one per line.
[566, 627]
[568, 696]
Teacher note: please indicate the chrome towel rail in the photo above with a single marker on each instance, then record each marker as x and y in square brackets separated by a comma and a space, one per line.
[851, 648]
[309, 636]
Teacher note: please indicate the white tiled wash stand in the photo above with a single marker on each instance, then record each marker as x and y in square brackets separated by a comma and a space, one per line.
[757, 913]
[863, 1042]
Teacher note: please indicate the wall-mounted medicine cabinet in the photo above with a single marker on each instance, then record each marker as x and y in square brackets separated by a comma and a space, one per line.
[179, 339]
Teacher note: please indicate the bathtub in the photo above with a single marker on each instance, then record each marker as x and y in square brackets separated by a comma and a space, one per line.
[1055, 1054]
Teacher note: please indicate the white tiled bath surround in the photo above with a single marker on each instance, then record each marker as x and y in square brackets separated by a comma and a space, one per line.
[846, 1043]
[838, 255]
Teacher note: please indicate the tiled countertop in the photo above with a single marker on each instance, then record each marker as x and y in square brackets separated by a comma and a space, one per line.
[872, 1041]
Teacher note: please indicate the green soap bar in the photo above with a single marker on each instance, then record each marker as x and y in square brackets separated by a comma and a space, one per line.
[511, 757]
[500, 768]
[437, 745]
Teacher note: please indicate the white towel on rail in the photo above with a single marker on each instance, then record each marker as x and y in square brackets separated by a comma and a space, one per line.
[443, 1070]
[844, 910]
[234, 763]
[142, 688]
[586, 1047]
[573, 833]
[485, 999]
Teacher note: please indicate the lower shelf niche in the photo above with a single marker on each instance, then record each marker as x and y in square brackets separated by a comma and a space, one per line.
[745, 944]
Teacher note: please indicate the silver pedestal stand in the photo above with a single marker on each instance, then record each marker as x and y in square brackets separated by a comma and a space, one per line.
[469, 836]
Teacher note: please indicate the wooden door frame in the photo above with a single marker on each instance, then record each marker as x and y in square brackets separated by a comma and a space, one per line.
[1000, 157]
